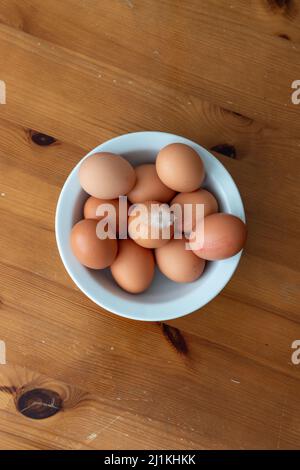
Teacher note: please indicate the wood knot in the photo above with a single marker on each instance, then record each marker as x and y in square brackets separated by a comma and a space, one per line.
[245, 119]
[281, 3]
[41, 139]
[225, 149]
[174, 336]
[39, 403]
[284, 36]
[283, 7]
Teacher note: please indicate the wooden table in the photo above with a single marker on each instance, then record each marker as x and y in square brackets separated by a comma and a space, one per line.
[83, 71]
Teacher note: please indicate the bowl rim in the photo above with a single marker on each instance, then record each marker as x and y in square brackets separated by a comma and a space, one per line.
[161, 313]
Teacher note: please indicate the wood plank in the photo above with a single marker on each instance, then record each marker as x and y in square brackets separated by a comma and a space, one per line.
[85, 109]
[251, 393]
[272, 273]
[219, 74]
[158, 37]
[263, 345]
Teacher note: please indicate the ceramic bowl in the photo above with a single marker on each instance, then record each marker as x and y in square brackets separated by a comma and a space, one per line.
[164, 300]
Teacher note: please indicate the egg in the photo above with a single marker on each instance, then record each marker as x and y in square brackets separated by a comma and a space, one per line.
[91, 251]
[224, 235]
[148, 186]
[201, 196]
[106, 176]
[92, 204]
[178, 263]
[133, 269]
[180, 167]
[150, 224]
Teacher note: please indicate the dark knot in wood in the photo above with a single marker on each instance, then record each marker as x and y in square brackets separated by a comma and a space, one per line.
[174, 336]
[287, 8]
[284, 36]
[39, 403]
[42, 139]
[225, 149]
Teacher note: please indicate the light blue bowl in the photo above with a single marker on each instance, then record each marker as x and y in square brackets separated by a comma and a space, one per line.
[164, 300]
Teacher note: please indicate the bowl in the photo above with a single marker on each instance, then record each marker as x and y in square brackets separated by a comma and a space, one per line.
[164, 300]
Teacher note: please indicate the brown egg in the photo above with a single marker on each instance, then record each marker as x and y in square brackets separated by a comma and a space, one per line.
[133, 269]
[177, 263]
[224, 236]
[148, 186]
[150, 224]
[89, 249]
[201, 196]
[92, 203]
[180, 168]
[106, 176]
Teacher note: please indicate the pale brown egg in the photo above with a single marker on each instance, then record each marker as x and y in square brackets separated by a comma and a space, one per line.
[180, 167]
[92, 204]
[190, 216]
[150, 224]
[106, 176]
[133, 268]
[178, 263]
[148, 186]
[224, 236]
[89, 249]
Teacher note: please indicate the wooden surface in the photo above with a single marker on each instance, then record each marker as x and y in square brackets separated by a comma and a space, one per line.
[215, 71]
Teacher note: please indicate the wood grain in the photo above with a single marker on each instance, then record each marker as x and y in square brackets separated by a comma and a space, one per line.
[217, 72]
